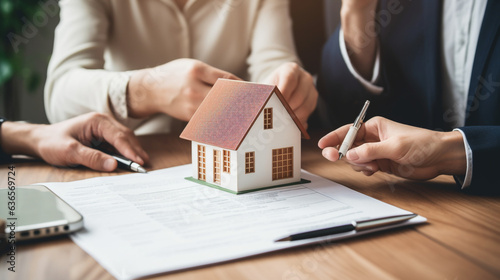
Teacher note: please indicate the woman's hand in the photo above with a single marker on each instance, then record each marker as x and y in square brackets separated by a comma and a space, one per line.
[176, 88]
[297, 86]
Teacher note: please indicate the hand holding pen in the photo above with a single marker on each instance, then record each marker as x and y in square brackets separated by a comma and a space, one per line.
[405, 151]
[70, 142]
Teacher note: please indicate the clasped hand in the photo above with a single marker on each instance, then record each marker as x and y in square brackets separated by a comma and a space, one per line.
[177, 88]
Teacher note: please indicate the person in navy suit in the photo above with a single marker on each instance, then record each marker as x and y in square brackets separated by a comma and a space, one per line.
[433, 69]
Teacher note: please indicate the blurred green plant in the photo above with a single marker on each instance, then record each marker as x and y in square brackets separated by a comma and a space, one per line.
[14, 16]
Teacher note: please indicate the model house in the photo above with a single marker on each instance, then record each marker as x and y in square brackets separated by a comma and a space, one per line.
[245, 137]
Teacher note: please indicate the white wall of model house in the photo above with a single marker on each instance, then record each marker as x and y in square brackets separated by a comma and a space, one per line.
[228, 180]
[284, 133]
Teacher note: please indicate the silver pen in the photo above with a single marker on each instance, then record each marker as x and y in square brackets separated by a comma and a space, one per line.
[127, 164]
[354, 225]
[353, 130]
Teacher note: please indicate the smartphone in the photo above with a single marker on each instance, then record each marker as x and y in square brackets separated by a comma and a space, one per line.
[36, 212]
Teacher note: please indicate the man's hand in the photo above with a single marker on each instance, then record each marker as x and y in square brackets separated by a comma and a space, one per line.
[68, 143]
[176, 88]
[297, 86]
[403, 150]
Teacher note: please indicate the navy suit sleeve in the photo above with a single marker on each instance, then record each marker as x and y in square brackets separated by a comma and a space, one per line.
[485, 145]
[343, 93]
[409, 71]
[5, 159]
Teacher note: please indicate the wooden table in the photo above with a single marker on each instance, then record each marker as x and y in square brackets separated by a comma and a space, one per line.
[460, 241]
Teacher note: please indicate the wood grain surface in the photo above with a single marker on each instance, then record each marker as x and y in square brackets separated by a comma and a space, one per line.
[460, 241]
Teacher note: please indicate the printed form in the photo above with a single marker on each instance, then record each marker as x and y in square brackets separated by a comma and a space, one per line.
[144, 224]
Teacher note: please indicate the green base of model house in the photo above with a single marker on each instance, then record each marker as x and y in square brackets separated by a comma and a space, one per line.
[302, 181]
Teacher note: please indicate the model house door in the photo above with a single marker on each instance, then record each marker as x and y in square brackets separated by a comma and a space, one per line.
[282, 163]
[202, 173]
[217, 166]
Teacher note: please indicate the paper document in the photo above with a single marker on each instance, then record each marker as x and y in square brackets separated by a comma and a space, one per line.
[143, 224]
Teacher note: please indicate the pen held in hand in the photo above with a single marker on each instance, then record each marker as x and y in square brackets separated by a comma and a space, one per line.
[353, 130]
[127, 164]
[123, 162]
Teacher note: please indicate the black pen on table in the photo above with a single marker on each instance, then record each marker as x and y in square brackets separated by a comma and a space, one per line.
[354, 225]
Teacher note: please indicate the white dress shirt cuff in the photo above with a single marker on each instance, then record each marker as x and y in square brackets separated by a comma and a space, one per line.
[117, 93]
[368, 85]
[465, 181]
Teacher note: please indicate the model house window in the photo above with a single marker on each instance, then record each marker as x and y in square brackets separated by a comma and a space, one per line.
[249, 162]
[268, 118]
[216, 166]
[226, 161]
[282, 163]
[201, 163]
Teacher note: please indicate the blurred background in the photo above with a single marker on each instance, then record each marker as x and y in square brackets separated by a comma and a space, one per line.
[27, 29]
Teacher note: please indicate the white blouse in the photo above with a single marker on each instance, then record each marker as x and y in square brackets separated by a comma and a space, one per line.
[99, 42]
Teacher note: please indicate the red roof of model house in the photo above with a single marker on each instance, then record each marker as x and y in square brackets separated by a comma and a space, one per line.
[229, 111]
